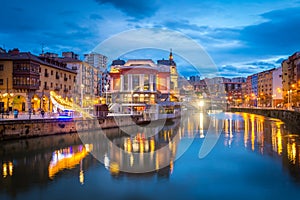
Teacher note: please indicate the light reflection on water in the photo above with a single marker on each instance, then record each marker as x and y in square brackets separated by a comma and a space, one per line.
[48, 162]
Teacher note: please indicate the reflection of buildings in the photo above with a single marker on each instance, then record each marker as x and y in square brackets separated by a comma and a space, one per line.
[21, 171]
[142, 154]
[268, 137]
[67, 158]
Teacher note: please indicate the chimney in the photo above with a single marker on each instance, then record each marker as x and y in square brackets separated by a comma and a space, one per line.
[15, 51]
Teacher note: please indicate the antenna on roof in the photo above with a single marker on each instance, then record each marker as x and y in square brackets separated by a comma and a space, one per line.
[42, 48]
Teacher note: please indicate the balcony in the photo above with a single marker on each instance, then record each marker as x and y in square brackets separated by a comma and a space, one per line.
[46, 87]
[26, 87]
[57, 76]
[66, 90]
[57, 89]
[65, 78]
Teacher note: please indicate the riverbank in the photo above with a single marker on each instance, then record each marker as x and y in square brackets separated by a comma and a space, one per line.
[291, 118]
[27, 128]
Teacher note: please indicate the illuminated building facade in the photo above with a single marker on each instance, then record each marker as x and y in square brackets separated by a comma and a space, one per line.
[265, 88]
[141, 82]
[233, 89]
[86, 88]
[291, 80]
[28, 79]
[99, 61]
[277, 87]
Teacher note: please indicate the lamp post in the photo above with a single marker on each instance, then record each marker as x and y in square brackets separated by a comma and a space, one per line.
[8, 94]
[274, 95]
[289, 99]
[82, 87]
[106, 88]
[131, 109]
[201, 104]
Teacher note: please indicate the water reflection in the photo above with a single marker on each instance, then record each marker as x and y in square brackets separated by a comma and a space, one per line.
[139, 152]
[39, 162]
[265, 136]
[68, 158]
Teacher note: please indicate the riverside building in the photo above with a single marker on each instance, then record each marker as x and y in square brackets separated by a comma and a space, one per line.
[26, 81]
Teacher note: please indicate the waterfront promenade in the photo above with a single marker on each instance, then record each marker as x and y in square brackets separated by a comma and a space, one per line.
[290, 117]
[24, 116]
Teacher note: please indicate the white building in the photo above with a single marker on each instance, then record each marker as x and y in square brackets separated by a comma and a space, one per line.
[99, 61]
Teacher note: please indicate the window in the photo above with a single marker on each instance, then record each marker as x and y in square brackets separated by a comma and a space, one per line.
[146, 82]
[135, 81]
[1, 81]
[1, 67]
[125, 82]
[51, 72]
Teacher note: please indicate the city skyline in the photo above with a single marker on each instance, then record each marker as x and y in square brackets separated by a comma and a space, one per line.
[242, 38]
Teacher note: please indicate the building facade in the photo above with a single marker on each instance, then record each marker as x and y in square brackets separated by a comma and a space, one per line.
[291, 80]
[29, 79]
[86, 89]
[99, 61]
[265, 88]
[138, 83]
[277, 88]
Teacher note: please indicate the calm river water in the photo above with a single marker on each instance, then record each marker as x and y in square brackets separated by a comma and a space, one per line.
[253, 158]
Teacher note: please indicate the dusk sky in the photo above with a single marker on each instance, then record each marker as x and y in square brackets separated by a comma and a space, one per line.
[241, 37]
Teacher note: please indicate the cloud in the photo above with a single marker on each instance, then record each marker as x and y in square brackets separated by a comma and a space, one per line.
[133, 8]
[262, 63]
[278, 35]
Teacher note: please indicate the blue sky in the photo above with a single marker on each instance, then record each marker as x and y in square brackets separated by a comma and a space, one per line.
[241, 37]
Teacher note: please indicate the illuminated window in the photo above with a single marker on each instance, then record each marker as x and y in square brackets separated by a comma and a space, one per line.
[125, 82]
[135, 81]
[146, 82]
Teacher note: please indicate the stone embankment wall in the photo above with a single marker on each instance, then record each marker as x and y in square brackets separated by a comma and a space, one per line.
[15, 129]
[291, 118]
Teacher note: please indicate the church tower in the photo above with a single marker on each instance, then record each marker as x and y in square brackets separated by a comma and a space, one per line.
[173, 74]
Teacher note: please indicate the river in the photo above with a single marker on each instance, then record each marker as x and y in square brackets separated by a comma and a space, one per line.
[222, 156]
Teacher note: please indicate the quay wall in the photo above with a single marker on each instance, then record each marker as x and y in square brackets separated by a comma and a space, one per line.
[291, 118]
[25, 128]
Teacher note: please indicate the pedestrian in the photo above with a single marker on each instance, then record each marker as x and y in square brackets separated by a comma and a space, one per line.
[2, 112]
[16, 112]
[29, 112]
[42, 113]
[7, 113]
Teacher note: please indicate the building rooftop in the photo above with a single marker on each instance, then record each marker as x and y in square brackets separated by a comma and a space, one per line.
[15, 54]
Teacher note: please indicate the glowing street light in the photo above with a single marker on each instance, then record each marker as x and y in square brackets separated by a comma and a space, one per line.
[106, 88]
[82, 87]
[289, 99]
[273, 96]
[201, 104]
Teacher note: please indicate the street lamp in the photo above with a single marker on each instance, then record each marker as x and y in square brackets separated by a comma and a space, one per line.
[201, 104]
[289, 99]
[106, 88]
[82, 87]
[273, 96]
